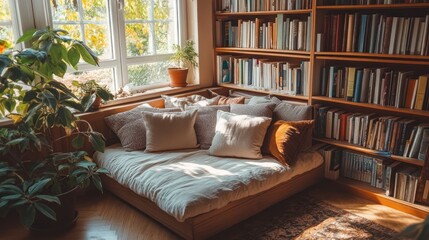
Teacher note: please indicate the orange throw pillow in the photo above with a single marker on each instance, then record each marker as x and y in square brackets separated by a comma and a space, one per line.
[285, 139]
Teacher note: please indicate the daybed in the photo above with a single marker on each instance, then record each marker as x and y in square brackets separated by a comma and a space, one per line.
[198, 195]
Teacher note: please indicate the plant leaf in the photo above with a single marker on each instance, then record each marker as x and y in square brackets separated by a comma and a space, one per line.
[38, 186]
[49, 198]
[78, 141]
[27, 215]
[97, 141]
[97, 182]
[45, 210]
[28, 35]
[73, 56]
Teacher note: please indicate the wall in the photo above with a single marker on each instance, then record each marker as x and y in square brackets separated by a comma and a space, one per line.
[200, 26]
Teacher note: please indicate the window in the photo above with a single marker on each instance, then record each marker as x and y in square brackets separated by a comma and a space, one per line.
[133, 38]
[8, 26]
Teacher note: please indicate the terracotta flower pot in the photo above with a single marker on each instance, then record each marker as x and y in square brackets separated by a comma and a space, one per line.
[97, 103]
[178, 77]
[66, 214]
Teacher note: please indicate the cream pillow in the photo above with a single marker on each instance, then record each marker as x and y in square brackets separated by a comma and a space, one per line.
[170, 131]
[239, 135]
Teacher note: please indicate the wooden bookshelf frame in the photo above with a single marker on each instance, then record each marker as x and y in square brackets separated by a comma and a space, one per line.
[374, 6]
[320, 59]
[377, 195]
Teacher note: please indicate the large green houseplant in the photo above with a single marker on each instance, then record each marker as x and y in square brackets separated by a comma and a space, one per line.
[32, 176]
[185, 58]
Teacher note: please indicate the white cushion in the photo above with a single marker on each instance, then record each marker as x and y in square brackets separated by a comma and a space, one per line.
[170, 131]
[239, 135]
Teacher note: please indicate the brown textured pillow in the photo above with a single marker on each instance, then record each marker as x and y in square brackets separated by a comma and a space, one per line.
[284, 139]
[223, 100]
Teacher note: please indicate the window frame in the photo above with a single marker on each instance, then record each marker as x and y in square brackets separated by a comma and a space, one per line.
[119, 61]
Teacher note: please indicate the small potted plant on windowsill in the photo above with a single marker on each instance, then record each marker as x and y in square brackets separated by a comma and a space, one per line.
[92, 94]
[185, 59]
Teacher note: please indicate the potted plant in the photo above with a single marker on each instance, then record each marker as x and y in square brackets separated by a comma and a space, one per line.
[35, 180]
[185, 58]
[92, 94]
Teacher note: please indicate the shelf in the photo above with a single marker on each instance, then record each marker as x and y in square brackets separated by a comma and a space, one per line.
[233, 86]
[371, 152]
[419, 113]
[265, 13]
[370, 58]
[265, 52]
[375, 6]
[350, 55]
[377, 195]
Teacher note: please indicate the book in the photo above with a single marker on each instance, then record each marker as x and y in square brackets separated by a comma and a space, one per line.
[391, 170]
[351, 83]
[358, 85]
[424, 145]
[421, 91]
[411, 88]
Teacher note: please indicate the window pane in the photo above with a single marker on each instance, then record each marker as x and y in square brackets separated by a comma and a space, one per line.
[151, 26]
[102, 76]
[148, 73]
[65, 10]
[95, 10]
[88, 16]
[137, 39]
[136, 9]
[97, 38]
[6, 31]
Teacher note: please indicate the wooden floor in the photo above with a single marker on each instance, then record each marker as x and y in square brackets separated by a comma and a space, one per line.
[107, 217]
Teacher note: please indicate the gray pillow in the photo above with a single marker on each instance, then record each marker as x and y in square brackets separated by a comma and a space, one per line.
[130, 128]
[259, 110]
[205, 124]
[292, 112]
[263, 99]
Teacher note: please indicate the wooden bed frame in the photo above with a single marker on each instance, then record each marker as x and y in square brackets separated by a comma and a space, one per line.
[210, 223]
[204, 225]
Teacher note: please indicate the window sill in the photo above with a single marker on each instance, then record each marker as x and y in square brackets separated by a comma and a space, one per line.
[149, 94]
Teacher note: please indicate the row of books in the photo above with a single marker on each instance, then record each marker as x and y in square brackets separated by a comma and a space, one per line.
[374, 33]
[386, 134]
[263, 5]
[383, 86]
[368, 2]
[285, 77]
[397, 179]
[281, 34]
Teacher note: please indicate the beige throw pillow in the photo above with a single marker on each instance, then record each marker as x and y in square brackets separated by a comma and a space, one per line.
[130, 128]
[170, 131]
[239, 135]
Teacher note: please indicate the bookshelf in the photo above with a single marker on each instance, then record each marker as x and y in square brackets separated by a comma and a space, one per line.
[398, 59]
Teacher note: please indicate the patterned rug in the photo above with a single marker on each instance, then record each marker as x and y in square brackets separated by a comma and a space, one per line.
[304, 217]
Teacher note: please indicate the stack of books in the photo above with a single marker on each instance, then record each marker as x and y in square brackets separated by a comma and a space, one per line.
[386, 134]
[382, 86]
[280, 34]
[284, 77]
[374, 33]
[263, 5]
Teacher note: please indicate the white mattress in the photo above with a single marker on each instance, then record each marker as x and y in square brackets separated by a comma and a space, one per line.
[187, 183]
